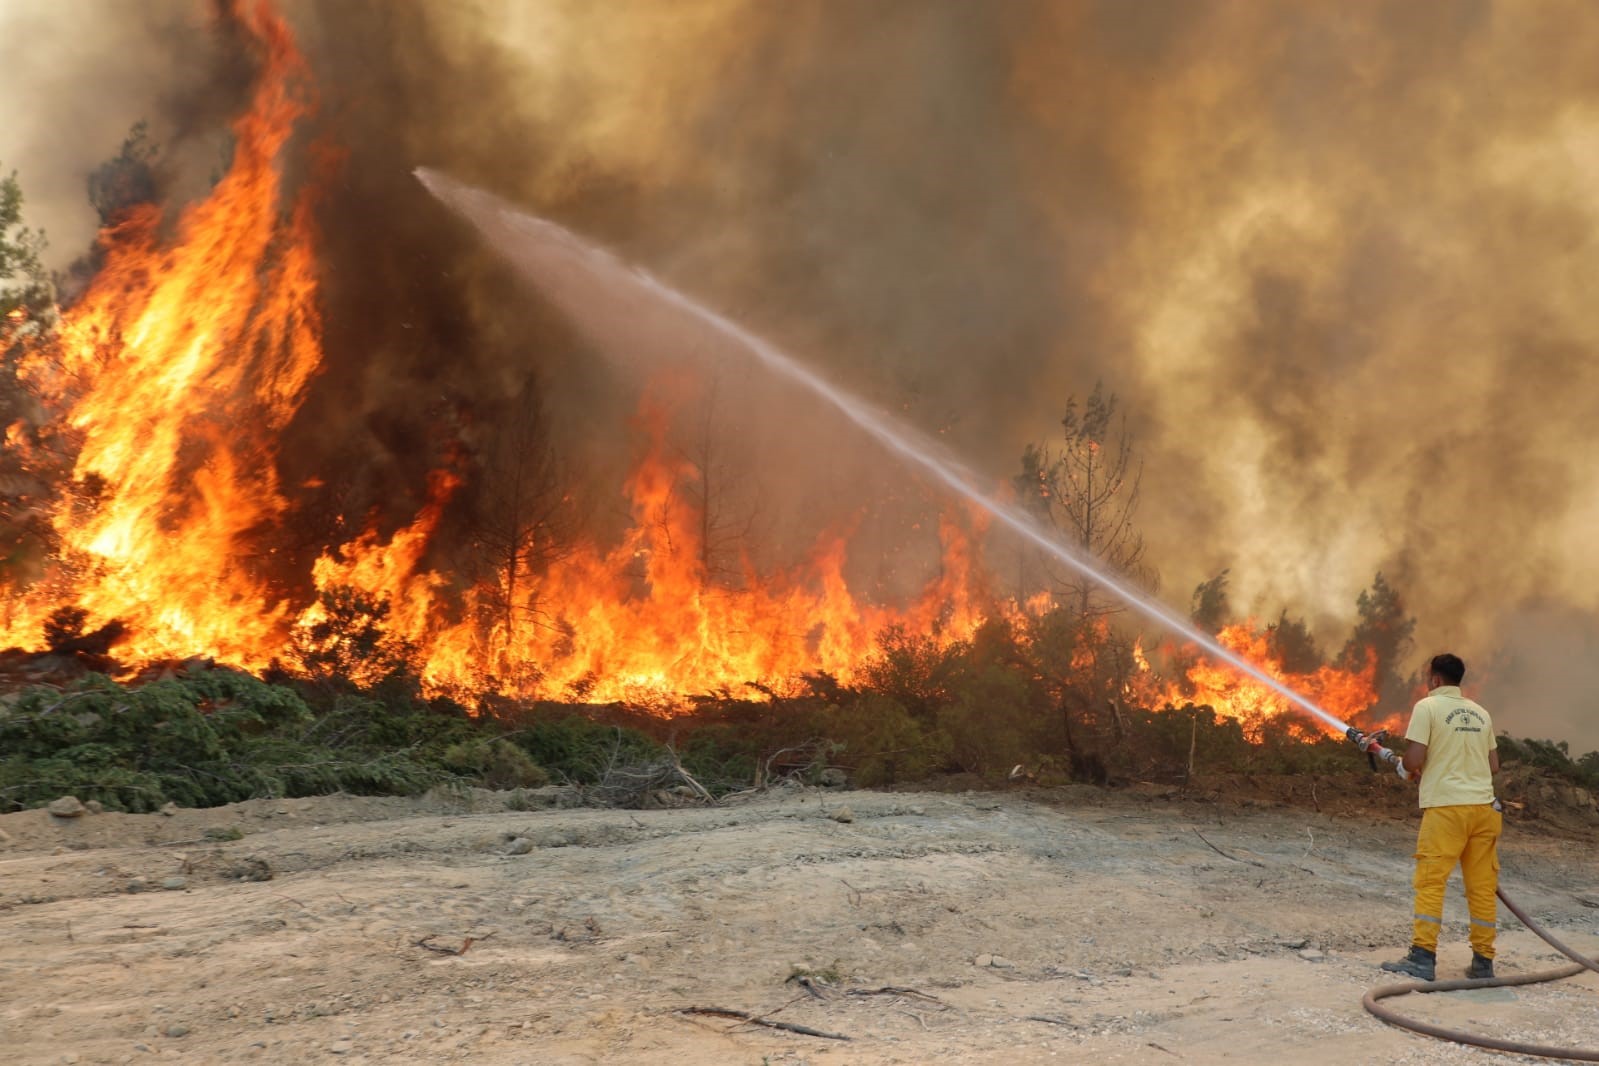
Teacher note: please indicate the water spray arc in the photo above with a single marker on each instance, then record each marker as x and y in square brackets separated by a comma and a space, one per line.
[509, 229]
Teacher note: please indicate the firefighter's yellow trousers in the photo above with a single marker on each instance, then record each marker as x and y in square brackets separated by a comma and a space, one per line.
[1468, 835]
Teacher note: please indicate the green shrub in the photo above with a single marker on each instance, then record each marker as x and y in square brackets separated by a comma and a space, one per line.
[496, 763]
[1159, 744]
[1589, 766]
[1291, 745]
[720, 755]
[204, 738]
[580, 750]
[882, 743]
[725, 745]
[913, 670]
[1551, 755]
[994, 721]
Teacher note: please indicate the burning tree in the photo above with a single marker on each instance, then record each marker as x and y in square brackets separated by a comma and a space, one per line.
[25, 291]
[523, 523]
[168, 384]
[26, 310]
[1211, 606]
[1088, 488]
[726, 533]
[1382, 633]
[122, 183]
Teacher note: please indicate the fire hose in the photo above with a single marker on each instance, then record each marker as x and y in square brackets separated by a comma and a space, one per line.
[1372, 745]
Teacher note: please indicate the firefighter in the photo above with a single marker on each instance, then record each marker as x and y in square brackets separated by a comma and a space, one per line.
[1453, 750]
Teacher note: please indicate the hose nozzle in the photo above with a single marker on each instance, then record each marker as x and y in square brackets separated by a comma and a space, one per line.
[1375, 746]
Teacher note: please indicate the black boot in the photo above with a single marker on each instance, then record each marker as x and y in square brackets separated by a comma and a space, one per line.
[1420, 964]
[1480, 967]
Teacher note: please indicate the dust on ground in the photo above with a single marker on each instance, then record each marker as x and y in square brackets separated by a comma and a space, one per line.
[1071, 925]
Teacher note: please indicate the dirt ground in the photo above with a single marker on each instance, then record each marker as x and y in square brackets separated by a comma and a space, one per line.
[1073, 925]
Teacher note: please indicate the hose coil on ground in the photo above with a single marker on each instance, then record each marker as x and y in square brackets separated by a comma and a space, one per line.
[1580, 963]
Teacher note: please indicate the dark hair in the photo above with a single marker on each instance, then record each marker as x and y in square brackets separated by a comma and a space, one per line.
[1449, 667]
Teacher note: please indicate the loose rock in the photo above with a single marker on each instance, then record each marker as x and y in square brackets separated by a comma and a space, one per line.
[843, 814]
[832, 777]
[533, 799]
[174, 1031]
[173, 884]
[67, 807]
[169, 809]
[519, 846]
[253, 868]
[664, 798]
[94, 807]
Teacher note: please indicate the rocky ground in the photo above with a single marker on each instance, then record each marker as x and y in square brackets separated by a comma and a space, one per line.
[1073, 925]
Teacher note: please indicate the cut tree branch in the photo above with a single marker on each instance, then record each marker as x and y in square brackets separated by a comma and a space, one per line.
[745, 1016]
[1224, 855]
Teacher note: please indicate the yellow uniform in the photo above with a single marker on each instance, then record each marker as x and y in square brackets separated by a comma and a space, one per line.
[1458, 822]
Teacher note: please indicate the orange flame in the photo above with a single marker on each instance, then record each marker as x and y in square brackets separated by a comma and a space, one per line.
[1346, 694]
[176, 372]
[641, 622]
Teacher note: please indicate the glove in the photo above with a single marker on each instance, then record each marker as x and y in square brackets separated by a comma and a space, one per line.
[1398, 762]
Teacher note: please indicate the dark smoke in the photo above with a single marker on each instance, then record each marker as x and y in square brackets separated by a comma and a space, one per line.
[1333, 257]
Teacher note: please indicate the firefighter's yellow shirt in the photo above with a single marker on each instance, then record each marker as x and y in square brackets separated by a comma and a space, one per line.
[1459, 735]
